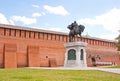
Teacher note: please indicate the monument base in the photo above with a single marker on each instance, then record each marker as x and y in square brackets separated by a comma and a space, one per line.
[75, 55]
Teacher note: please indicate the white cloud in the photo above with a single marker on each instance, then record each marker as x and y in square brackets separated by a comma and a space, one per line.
[43, 13]
[59, 10]
[109, 36]
[38, 14]
[109, 20]
[24, 19]
[55, 29]
[51, 28]
[47, 24]
[3, 19]
[36, 6]
[11, 22]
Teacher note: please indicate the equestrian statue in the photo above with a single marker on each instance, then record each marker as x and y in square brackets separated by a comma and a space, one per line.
[75, 30]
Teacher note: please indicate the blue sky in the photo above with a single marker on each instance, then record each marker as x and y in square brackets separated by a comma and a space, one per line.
[101, 18]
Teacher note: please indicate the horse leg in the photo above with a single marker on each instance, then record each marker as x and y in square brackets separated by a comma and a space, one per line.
[70, 38]
[73, 38]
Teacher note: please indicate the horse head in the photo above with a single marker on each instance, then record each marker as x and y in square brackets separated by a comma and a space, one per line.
[81, 28]
[70, 27]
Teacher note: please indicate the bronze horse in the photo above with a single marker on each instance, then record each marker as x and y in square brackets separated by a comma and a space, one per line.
[75, 30]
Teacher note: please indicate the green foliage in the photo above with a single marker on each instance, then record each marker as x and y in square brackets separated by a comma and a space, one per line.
[118, 45]
[56, 75]
[118, 42]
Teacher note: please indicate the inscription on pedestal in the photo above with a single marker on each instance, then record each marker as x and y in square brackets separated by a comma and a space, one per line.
[71, 60]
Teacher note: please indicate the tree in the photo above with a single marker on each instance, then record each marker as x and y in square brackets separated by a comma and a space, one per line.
[118, 41]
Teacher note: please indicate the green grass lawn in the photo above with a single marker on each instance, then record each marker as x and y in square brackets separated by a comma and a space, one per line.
[113, 67]
[56, 75]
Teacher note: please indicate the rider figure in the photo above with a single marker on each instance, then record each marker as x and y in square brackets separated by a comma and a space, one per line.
[74, 24]
[75, 30]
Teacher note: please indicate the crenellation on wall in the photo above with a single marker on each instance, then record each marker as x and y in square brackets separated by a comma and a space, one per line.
[41, 35]
[64, 38]
[52, 37]
[32, 34]
[46, 36]
[36, 35]
[27, 34]
[83, 39]
[60, 38]
[7, 32]
[1, 31]
[17, 33]
[49, 36]
[22, 34]
[57, 38]
[12, 33]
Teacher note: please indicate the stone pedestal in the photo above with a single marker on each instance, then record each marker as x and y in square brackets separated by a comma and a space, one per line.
[75, 55]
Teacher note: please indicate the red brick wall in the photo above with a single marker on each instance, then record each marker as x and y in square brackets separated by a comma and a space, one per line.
[102, 54]
[1, 55]
[33, 56]
[35, 49]
[52, 49]
[10, 60]
[22, 54]
[47, 48]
